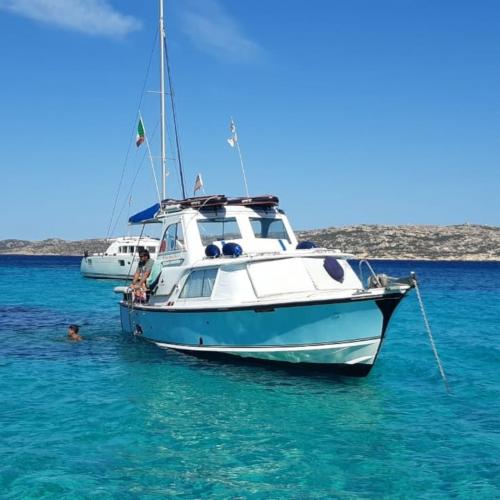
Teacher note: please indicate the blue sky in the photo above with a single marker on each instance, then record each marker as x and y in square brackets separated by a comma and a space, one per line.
[352, 112]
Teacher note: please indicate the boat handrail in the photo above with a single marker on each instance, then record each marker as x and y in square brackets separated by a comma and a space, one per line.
[262, 257]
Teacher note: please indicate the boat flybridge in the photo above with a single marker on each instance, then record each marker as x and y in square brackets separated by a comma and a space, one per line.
[231, 279]
[120, 259]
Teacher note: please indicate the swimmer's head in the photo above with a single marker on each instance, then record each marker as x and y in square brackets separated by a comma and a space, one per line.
[73, 329]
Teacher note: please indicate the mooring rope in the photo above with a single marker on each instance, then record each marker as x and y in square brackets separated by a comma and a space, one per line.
[429, 331]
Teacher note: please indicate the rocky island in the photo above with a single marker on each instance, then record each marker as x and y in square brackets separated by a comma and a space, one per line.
[408, 242]
[412, 242]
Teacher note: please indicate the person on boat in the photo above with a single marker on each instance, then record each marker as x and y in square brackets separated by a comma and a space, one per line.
[144, 268]
[73, 333]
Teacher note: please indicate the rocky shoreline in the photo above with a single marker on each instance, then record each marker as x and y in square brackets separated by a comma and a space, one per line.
[466, 242]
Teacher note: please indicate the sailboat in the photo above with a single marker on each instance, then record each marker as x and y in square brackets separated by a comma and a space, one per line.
[231, 280]
[120, 259]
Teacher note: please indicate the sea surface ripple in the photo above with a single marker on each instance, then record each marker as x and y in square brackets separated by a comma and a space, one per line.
[113, 416]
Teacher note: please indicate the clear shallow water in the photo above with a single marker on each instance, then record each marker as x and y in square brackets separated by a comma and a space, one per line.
[113, 416]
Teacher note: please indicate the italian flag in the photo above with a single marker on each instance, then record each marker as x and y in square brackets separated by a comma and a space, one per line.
[140, 133]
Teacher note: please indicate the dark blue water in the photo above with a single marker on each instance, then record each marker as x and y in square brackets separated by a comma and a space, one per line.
[113, 416]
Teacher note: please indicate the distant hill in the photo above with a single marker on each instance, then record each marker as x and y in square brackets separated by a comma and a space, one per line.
[52, 246]
[462, 242]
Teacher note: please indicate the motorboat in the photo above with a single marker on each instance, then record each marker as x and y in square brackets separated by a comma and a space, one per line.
[231, 280]
[120, 259]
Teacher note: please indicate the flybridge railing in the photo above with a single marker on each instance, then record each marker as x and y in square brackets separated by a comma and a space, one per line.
[218, 200]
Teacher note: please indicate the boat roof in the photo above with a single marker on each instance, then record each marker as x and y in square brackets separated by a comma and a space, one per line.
[220, 200]
[133, 239]
[209, 202]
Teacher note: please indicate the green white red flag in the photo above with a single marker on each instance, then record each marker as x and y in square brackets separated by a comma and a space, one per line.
[140, 133]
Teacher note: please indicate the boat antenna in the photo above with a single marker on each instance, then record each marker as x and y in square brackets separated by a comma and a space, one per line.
[162, 104]
[234, 142]
[174, 116]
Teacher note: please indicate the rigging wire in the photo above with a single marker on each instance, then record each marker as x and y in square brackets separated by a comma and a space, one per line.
[173, 159]
[141, 163]
[150, 158]
[174, 116]
[125, 162]
[178, 160]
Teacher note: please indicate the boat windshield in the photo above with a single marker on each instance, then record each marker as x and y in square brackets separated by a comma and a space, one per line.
[173, 239]
[266, 227]
[218, 229]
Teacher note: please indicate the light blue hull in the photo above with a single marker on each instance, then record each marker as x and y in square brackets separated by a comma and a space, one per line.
[335, 333]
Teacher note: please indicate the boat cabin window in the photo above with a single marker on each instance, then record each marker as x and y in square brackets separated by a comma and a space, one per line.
[269, 228]
[130, 249]
[173, 239]
[199, 284]
[152, 249]
[218, 229]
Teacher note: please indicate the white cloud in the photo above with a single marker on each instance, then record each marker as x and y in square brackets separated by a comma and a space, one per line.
[92, 17]
[211, 29]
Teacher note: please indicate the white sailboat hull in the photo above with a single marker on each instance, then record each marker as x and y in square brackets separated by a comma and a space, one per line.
[120, 259]
[108, 266]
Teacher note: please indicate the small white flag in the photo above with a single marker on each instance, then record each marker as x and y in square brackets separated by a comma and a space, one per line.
[234, 136]
[198, 184]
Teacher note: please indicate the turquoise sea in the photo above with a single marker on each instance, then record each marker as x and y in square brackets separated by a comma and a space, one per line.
[115, 417]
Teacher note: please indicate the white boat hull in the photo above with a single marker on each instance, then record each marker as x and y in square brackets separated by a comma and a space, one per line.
[108, 266]
[120, 259]
[350, 353]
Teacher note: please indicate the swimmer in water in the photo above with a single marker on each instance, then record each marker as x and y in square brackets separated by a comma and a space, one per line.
[73, 333]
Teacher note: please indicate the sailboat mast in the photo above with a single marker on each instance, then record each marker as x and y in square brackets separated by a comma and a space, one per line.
[162, 104]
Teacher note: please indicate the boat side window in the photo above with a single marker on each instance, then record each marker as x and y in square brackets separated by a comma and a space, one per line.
[130, 249]
[173, 239]
[152, 249]
[199, 284]
[269, 228]
[218, 229]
